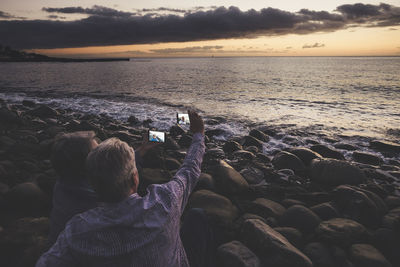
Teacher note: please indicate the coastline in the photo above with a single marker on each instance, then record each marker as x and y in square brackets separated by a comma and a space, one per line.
[299, 194]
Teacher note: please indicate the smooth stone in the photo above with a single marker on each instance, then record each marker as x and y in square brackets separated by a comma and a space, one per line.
[325, 211]
[272, 248]
[293, 235]
[205, 181]
[341, 231]
[214, 132]
[153, 176]
[235, 254]
[219, 208]
[185, 140]
[9, 117]
[252, 149]
[176, 130]
[291, 202]
[28, 103]
[133, 120]
[335, 172]
[228, 180]
[263, 158]
[301, 218]
[305, 154]
[392, 202]
[243, 154]
[387, 241]
[44, 111]
[4, 188]
[327, 152]
[253, 175]
[385, 146]
[286, 160]
[266, 208]
[392, 219]
[345, 146]
[366, 158]
[231, 146]
[171, 144]
[172, 164]
[251, 141]
[6, 141]
[320, 255]
[259, 135]
[365, 255]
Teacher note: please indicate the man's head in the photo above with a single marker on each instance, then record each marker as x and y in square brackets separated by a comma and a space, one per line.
[112, 170]
[69, 154]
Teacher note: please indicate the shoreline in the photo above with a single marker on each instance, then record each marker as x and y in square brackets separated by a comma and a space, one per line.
[299, 194]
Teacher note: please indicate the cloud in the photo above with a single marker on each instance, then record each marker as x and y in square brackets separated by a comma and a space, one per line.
[107, 26]
[5, 15]
[316, 45]
[192, 49]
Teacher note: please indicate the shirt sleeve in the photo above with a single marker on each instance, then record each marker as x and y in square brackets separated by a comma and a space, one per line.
[185, 179]
[58, 255]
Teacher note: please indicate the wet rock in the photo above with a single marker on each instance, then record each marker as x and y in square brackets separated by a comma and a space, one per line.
[263, 158]
[185, 140]
[6, 141]
[244, 155]
[301, 218]
[9, 117]
[228, 180]
[327, 152]
[213, 156]
[176, 130]
[272, 248]
[133, 120]
[365, 255]
[306, 155]
[171, 144]
[153, 176]
[392, 202]
[341, 231]
[3, 188]
[154, 159]
[385, 146]
[345, 146]
[286, 160]
[388, 242]
[320, 255]
[231, 146]
[27, 199]
[214, 132]
[251, 141]
[291, 202]
[28, 103]
[252, 149]
[366, 158]
[266, 208]
[44, 111]
[392, 219]
[293, 235]
[235, 254]
[219, 208]
[205, 181]
[325, 211]
[335, 172]
[259, 135]
[171, 164]
[253, 175]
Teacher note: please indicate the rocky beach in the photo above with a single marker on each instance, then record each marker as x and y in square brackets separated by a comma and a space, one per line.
[304, 204]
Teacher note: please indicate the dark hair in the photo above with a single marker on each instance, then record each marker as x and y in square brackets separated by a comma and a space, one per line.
[69, 154]
[110, 168]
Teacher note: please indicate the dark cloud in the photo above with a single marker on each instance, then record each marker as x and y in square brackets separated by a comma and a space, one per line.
[316, 45]
[5, 15]
[107, 26]
[55, 17]
[191, 49]
[173, 10]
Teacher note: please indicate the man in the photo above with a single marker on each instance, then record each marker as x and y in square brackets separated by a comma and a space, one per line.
[129, 230]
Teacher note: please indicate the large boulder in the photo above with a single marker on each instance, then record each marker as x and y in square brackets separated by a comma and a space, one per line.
[219, 208]
[235, 254]
[272, 248]
[286, 160]
[266, 208]
[366, 158]
[335, 172]
[341, 231]
[305, 154]
[228, 180]
[365, 255]
[301, 218]
[327, 152]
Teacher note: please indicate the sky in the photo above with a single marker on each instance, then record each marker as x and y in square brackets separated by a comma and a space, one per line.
[172, 28]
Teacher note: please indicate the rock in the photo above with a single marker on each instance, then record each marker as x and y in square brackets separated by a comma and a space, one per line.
[214, 132]
[176, 130]
[251, 141]
[291, 202]
[385, 146]
[252, 149]
[6, 141]
[154, 159]
[366, 158]
[205, 182]
[327, 152]
[28, 103]
[231, 146]
[301, 218]
[153, 176]
[214, 154]
[392, 219]
[46, 183]
[171, 144]
[172, 164]
[133, 120]
[27, 199]
[286, 160]
[272, 248]
[3, 189]
[244, 155]
[325, 211]
[253, 175]
[365, 255]
[387, 241]
[320, 255]
[43, 111]
[127, 136]
[263, 158]
[293, 235]
[335, 172]
[228, 180]
[235, 254]
[185, 140]
[306, 155]
[9, 117]
[392, 202]
[345, 146]
[341, 231]
[266, 208]
[360, 205]
[259, 135]
[219, 208]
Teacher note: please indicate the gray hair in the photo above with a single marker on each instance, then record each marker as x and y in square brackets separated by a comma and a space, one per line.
[69, 154]
[110, 168]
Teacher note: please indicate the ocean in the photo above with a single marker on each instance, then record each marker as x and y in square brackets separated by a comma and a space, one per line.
[353, 98]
